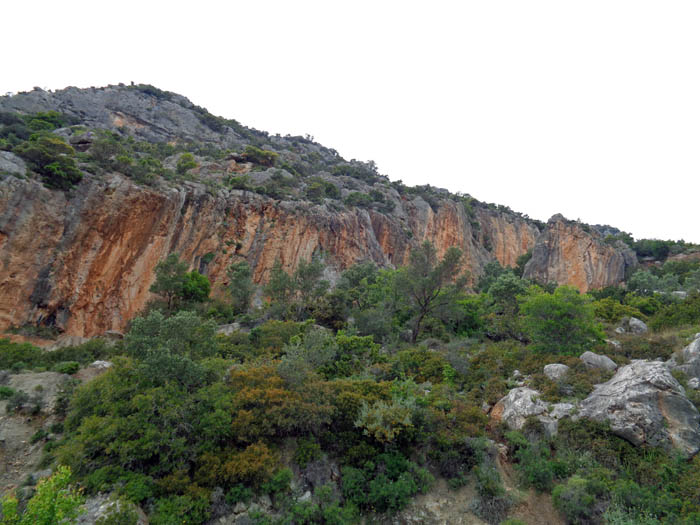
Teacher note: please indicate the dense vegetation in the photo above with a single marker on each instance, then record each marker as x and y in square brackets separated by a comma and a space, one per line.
[383, 376]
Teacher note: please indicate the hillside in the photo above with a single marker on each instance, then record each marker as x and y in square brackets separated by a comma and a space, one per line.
[82, 259]
[203, 324]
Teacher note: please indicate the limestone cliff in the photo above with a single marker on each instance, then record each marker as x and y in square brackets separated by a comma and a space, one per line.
[83, 260]
[566, 253]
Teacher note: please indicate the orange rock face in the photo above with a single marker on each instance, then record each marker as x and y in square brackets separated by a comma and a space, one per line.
[84, 261]
[565, 253]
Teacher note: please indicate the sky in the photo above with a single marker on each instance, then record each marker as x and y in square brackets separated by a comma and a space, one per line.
[589, 109]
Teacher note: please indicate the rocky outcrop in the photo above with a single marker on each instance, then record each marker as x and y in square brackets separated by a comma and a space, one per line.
[644, 404]
[566, 253]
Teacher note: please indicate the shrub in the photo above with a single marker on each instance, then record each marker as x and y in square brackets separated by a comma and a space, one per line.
[67, 367]
[53, 502]
[259, 156]
[53, 159]
[306, 452]
[361, 200]
[278, 483]
[185, 163]
[183, 510]
[574, 500]
[386, 484]
[492, 502]
[239, 493]
[560, 323]
[17, 401]
[6, 392]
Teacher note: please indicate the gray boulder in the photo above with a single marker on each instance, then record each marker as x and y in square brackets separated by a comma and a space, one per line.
[637, 326]
[687, 360]
[12, 164]
[228, 329]
[102, 506]
[593, 360]
[632, 325]
[555, 371]
[523, 402]
[645, 405]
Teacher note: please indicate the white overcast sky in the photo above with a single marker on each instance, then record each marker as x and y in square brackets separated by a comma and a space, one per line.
[591, 109]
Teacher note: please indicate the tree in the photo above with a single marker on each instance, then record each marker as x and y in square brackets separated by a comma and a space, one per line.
[428, 284]
[503, 313]
[54, 502]
[177, 285]
[296, 295]
[562, 322]
[240, 286]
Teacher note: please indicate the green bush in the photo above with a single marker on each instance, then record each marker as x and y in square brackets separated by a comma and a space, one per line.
[185, 163]
[385, 485]
[183, 510]
[259, 156]
[361, 200]
[574, 500]
[6, 392]
[239, 494]
[52, 158]
[67, 367]
[306, 452]
[560, 323]
[492, 502]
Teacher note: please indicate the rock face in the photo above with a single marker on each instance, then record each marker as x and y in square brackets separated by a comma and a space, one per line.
[593, 360]
[565, 253]
[83, 261]
[646, 405]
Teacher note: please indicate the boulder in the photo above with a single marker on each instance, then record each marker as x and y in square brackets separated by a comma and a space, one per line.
[687, 360]
[593, 360]
[555, 371]
[645, 405]
[519, 404]
[113, 336]
[93, 370]
[228, 329]
[67, 340]
[632, 325]
[12, 164]
[102, 506]
[523, 402]
[637, 326]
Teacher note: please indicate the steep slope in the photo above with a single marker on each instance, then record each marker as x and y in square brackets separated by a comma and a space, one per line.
[83, 260]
